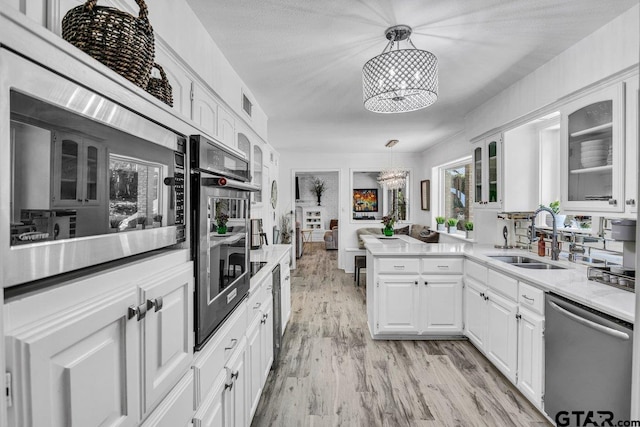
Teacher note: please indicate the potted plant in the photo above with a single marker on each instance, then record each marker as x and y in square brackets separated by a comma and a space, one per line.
[468, 228]
[221, 222]
[157, 221]
[555, 207]
[388, 222]
[440, 223]
[142, 221]
[318, 187]
[452, 223]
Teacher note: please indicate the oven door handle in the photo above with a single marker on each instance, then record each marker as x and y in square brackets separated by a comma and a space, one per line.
[228, 183]
[589, 323]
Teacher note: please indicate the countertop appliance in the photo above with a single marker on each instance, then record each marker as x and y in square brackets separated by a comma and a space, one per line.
[588, 358]
[277, 315]
[83, 176]
[258, 236]
[221, 211]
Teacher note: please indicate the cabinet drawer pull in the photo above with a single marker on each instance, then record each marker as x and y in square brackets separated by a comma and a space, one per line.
[613, 202]
[416, 282]
[132, 311]
[399, 267]
[235, 375]
[631, 202]
[258, 304]
[443, 266]
[527, 298]
[234, 342]
[228, 386]
[426, 283]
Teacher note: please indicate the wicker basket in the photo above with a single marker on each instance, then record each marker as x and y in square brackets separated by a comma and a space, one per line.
[122, 42]
[160, 87]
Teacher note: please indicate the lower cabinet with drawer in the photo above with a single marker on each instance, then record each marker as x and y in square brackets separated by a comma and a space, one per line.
[415, 298]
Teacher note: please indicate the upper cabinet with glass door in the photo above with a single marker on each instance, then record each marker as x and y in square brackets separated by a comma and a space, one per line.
[593, 152]
[487, 172]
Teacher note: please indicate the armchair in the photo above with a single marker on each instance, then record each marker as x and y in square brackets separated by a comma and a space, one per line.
[331, 236]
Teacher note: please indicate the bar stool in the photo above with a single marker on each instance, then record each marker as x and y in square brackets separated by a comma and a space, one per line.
[360, 261]
[234, 260]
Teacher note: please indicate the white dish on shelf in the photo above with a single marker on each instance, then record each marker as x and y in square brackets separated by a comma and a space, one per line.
[602, 150]
[593, 163]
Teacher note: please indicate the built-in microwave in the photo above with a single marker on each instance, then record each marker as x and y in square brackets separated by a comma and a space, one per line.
[84, 180]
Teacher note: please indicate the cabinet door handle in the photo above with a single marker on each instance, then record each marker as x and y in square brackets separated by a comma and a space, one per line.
[235, 375]
[613, 202]
[228, 386]
[631, 202]
[482, 295]
[518, 316]
[258, 304]
[132, 311]
[141, 311]
[426, 283]
[234, 342]
[79, 200]
[157, 303]
[416, 282]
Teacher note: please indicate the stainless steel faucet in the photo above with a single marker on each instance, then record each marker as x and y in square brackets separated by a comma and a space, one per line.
[555, 250]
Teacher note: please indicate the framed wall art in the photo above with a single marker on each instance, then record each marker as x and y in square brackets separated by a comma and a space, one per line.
[425, 194]
[365, 200]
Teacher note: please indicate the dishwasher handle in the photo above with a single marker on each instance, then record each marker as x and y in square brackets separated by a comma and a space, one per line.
[589, 323]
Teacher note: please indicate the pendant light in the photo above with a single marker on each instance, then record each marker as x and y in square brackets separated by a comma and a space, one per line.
[400, 80]
[393, 178]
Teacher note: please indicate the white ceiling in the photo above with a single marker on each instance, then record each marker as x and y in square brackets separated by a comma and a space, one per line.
[302, 60]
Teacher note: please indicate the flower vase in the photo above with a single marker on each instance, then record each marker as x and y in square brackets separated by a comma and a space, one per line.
[469, 234]
[388, 231]
[319, 196]
[222, 229]
[441, 227]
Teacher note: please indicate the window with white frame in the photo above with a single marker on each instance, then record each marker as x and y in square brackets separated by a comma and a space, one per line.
[454, 191]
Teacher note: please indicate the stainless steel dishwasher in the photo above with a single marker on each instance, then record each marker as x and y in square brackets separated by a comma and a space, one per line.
[277, 315]
[587, 360]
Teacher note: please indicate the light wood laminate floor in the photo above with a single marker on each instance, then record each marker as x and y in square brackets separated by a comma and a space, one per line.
[331, 373]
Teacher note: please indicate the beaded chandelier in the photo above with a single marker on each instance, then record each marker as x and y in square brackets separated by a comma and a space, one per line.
[401, 80]
[393, 178]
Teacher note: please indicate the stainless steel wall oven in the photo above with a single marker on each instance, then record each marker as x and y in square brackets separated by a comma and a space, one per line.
[84, 180]
[220, 201]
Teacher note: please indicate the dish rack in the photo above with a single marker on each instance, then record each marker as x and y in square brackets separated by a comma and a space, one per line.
[625, 280]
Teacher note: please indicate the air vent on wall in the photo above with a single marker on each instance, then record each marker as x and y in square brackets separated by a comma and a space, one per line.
[246, 104]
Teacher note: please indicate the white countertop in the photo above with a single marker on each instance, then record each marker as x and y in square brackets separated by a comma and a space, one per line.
[571, 282]
[272, 255]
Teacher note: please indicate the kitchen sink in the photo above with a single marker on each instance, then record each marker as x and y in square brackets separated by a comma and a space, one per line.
[539, 266]
[514, 259]
[526, 262]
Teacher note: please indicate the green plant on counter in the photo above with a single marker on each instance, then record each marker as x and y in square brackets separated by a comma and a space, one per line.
[439, 220]
[452, 222]
[554, 206]
[468, 226]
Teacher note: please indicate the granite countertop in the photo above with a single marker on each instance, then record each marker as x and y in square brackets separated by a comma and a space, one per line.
[570, 282]
[271, 254]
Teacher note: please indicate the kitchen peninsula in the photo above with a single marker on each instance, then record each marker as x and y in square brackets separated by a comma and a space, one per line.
[436, 291]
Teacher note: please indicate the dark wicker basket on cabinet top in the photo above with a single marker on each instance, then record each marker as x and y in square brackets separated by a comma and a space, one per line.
[119, 40]
[160, 87]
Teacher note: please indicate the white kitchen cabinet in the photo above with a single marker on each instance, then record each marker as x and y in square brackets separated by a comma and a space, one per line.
[79, 171]
[78, 367]
[475, 312]
[441, 305]
[631, 154]
[501, 346]
[530, 355]
[226, 127]
[204, 109]
[210, 413]
[592, 152]
[491, 325]
[266, 341]
[168, 331]
[285, 291]
[487, 172]
[257, 177]
[254, 363]
[234, 398]
[398, 308]
[177, 408]
[179, 78]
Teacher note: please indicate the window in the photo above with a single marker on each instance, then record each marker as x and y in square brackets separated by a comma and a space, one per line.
[455, 190]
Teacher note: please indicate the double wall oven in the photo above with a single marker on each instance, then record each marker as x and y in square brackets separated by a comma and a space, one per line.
[84, 180]
[220, 207]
